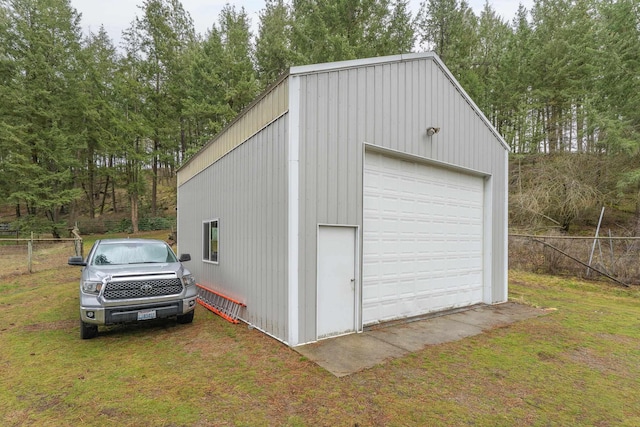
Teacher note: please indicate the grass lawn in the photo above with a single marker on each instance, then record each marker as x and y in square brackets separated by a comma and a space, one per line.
[577, 365]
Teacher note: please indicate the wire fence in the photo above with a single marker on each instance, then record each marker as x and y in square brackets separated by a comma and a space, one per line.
[613, 258]
[23, 256]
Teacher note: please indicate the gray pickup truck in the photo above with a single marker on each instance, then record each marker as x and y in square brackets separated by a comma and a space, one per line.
[132, 280]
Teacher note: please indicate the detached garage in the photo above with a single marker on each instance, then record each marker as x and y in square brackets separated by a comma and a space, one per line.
[349, 194]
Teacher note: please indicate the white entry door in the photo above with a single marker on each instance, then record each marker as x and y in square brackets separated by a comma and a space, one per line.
[336, 280]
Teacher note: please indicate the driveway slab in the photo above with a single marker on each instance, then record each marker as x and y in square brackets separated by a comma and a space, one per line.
[348, 354]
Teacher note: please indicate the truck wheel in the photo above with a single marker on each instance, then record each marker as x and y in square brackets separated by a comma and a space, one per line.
[186, 318]
[88, 331]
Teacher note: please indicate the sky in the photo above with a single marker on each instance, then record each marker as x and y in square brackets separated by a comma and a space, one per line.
[117, 15]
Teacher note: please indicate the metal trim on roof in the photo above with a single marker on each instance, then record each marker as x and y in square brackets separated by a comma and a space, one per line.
[355, 63]
[265, 109]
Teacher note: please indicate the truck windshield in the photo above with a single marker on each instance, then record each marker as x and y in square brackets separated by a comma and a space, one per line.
[133, 253]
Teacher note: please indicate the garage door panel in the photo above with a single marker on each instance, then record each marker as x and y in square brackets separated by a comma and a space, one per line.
[423, 238]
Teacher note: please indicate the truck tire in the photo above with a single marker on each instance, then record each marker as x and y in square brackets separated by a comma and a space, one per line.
[186, 318]
[88, 331]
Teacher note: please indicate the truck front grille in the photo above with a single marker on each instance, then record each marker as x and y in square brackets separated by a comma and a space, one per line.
[142, 288]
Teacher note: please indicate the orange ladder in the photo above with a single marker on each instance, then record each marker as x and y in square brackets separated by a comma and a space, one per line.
[223, 306]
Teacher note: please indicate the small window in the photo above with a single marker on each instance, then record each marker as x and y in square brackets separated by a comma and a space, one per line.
[210, 241]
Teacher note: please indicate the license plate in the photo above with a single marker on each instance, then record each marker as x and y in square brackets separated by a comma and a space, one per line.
[146, 315]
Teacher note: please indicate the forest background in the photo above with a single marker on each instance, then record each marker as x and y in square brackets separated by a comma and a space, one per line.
[89, 129]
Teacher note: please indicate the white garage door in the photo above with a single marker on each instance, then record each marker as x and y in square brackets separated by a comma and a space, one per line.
[423, 239]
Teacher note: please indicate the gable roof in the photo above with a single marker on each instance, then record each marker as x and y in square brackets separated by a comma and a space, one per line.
[273, 102]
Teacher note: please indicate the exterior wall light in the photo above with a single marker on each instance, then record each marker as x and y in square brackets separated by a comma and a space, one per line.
[432, 130]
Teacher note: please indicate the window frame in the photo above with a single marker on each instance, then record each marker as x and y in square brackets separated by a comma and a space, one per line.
[206, 241]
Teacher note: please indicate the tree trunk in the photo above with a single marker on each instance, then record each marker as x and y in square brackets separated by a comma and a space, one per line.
[580, 128]
[104, 195]
[53, 217]
[73, 212]
[637, 214]
[134, 213]
[183, 141]
[551, 132]
[91, 172]
[113, 188]
[156, 153]
[154, 177]
[113, 195]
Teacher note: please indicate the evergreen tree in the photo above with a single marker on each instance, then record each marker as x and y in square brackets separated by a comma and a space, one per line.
[237, 72]
[550, 79]
[132, 146]
[8, 124]
[489, 59]
[222, 78]
[205, 105]
[449, 28]
[349, 29]
[515, 78]
[400, 35]
[41, 41]
[618, 99]
[98, 114]
[165, 31]
[273, 44]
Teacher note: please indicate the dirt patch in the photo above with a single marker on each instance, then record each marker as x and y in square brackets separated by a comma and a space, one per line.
[51, 326]
[618, 339]
[602, 364]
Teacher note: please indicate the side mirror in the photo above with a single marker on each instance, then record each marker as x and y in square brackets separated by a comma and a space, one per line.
[77, 260]
[184, 257]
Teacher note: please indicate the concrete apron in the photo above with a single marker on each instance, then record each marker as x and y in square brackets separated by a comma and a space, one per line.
[347, 354]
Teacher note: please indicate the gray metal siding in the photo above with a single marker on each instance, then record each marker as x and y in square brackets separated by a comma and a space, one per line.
[388, 105]
[247, 190]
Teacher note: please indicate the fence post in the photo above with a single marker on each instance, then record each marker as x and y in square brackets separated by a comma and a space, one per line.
[77, 244]
[595, 239]
[30, 254]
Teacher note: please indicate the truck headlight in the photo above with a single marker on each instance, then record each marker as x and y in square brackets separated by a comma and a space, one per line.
[188, 280]
[89, 287]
